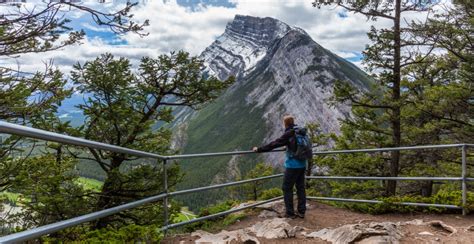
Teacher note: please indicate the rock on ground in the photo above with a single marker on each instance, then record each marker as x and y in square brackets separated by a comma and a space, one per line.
[279, 206]
[274, 229]
[268, 214]
[440, 225]
[277, 228]
[225, 237]
[385, 232]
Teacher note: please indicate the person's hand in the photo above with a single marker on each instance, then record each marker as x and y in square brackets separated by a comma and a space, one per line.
[255, 149]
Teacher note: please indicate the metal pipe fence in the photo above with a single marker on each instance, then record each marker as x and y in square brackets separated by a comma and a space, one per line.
[24, 131]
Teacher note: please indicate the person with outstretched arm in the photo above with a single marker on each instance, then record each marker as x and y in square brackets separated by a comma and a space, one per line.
[294, 138]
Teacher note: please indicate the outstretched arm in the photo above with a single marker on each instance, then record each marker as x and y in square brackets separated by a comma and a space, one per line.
[280, 142]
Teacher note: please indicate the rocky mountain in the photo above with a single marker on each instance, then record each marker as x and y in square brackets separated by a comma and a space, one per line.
[279, 70]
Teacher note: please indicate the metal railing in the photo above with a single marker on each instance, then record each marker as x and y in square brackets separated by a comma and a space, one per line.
[56, 137]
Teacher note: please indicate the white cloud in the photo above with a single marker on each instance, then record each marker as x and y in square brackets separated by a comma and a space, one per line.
[175, 27]
[68, 56]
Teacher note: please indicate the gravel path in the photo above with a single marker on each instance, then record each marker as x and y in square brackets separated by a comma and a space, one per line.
[320, 216]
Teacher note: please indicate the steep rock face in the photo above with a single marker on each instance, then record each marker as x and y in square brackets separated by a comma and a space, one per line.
[302, 74]
[280, 70]
[245, 42]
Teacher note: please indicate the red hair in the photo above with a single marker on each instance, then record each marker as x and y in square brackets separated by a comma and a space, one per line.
[288, 120]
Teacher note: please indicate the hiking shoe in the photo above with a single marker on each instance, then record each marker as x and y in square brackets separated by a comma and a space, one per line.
[300, 215]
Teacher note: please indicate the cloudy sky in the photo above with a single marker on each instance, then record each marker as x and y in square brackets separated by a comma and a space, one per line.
[192, 25]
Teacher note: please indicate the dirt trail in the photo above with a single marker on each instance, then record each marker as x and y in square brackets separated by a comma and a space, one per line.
[320, 216]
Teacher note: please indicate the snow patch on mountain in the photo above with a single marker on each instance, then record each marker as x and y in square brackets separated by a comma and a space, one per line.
[243, 44]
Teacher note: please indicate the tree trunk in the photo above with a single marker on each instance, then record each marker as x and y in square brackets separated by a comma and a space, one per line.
[255, 192]
[427, 188]
[396, 131]
[108, 191]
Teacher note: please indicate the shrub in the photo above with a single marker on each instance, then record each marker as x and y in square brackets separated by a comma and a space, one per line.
[270, 193]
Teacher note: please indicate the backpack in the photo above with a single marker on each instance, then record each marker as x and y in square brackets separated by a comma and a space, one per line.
[304, 146]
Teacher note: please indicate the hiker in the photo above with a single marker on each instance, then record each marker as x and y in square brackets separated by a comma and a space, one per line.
[298, 151]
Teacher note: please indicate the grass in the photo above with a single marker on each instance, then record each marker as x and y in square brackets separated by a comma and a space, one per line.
[184, 215]
[10, 196]
[90, 184]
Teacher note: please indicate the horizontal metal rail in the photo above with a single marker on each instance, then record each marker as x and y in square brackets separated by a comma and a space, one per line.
[21, 130]
[218, 154]
[51, 228]
[220, 214]
[378, 201]
[47, 229]
[25, 131]
[383, 178]
[370, 150]
[389, 149]
[205, 188]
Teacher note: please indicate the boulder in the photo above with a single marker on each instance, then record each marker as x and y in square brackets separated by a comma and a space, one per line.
[440, 225]
[268, 214]
[274, 228]
[385, 232]
[225, 237]
[276, 206]
[417, 222]
[470, 228]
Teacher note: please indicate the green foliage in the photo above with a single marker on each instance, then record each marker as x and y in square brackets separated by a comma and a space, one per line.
[184, 215]
[233, 218]
[217, 208]
[270, 193]
[126, 234]
[254, 189]
[447, 197]
[9, 197]
[17, 105]
[89, 184]
[122, 108]
[49, 192]
[216, 223]
[419, 98]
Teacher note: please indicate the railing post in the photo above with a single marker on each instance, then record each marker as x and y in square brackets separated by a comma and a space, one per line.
[464, 185]
[165, 200]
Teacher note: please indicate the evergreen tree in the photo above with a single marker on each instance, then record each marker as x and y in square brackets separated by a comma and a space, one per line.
[122, 109]
[26, 98]
[439, 92]
[434, 102]
[254, 189]
[377, 112]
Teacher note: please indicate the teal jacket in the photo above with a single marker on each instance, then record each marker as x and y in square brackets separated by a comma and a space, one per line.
[286, 140]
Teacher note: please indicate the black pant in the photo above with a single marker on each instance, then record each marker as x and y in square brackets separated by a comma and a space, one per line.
[294, 177]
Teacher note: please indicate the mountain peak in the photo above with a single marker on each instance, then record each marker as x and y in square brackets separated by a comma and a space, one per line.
[244, 42]
[260, 31]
